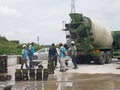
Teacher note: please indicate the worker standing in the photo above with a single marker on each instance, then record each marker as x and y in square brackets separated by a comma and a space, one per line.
[53, 54]
[67, 57]
[24, 56]
[62, 55]
[30, 54]
[73, 54]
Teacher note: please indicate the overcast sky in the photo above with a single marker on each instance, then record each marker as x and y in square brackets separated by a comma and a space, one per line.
[24, 20]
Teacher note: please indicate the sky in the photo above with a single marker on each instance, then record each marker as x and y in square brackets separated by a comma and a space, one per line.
[26, 20]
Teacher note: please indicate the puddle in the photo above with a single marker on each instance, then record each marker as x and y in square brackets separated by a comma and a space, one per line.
[69, 81]
[66, 81]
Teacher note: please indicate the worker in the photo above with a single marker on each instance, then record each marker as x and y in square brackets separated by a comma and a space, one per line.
[53, 54]
[73, 53]
[67, 57]
[62, 55]
[24, 56]
[30, 54]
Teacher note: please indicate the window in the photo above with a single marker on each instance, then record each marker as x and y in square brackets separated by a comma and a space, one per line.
[41, 50]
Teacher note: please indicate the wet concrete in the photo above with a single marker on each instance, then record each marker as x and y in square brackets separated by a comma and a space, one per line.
[93, 79]
[72, 81]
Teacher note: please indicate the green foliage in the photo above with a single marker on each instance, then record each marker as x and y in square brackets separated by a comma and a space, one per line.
[13, 47]
[2, 38]
[9, 48]
[36, 46]
[15, 41]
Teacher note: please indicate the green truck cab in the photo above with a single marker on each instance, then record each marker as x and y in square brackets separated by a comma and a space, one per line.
[116, 44]
[94, 42]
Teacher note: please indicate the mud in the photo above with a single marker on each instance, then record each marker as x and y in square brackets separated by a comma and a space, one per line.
[72, 81]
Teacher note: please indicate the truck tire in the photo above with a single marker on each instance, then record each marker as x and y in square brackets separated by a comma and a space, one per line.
[102, 58]
[108, 57]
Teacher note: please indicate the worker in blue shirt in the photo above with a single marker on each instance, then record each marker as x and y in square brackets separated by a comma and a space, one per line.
[31, 54]
[24, 56]
[62, 55]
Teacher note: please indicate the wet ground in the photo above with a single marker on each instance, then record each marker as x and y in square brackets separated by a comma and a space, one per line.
[86, 77]
[72, 82]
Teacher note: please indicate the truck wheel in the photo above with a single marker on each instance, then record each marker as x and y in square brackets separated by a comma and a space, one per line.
[108, 57]
[102, 57]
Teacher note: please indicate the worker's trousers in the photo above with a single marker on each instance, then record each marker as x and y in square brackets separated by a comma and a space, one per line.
[62, 64]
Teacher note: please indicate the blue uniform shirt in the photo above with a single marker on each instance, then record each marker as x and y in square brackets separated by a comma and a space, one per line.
[31, 48]
[62, 51]
[24, 54]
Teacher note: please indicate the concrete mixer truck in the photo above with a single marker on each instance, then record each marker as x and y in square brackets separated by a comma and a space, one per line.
[93, 41]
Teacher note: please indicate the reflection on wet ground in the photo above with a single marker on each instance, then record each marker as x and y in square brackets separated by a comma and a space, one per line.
[69, 80]
[65, 81]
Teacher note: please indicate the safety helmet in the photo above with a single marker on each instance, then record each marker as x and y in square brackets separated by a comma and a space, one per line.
[60, 44]
[72, 42]
[24, 46]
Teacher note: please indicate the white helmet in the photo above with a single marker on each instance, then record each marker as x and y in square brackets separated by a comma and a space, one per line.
[72, 42]
[24, 46]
